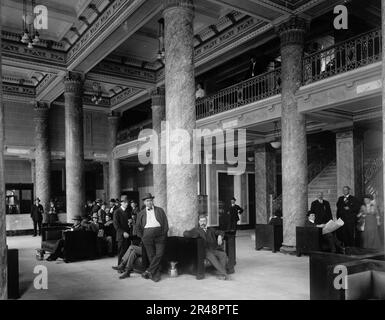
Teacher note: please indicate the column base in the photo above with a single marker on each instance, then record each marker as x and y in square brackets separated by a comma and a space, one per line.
[288, 249]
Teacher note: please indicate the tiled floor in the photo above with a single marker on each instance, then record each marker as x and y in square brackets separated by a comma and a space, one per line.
[259, 275]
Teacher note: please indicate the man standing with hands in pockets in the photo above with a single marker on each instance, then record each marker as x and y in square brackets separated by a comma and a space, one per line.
[152, 228]
[122, 219]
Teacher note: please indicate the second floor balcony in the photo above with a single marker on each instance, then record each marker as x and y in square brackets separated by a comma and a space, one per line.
[360, 51]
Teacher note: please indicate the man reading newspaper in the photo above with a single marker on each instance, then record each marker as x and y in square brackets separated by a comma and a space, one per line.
[328, 235]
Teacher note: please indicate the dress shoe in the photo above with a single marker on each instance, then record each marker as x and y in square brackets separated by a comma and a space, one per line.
[223, 277]
[34, 235]
[146, 275]
[156, 277]
[51, 258]
[125, 274]
[230, 271]
[115, 268]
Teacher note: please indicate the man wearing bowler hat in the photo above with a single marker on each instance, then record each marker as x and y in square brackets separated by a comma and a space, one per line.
[152, 228]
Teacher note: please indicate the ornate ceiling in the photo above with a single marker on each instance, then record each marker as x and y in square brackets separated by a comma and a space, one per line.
[114, 42]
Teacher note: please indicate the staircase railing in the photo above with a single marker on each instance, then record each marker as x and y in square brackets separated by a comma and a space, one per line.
[317, 166]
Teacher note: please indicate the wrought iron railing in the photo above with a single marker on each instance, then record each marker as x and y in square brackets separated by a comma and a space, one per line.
[348, 55]
[245, 92]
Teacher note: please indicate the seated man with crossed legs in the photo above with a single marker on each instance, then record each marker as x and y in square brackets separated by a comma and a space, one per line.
[213, 245]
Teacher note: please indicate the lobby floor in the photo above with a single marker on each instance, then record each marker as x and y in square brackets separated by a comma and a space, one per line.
[258, 275]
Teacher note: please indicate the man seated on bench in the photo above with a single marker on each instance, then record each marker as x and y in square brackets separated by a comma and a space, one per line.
[58, 251]
[133, 252]
[330, 239]
[213, 245]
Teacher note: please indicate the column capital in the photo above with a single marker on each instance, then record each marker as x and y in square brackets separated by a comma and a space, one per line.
[292, 31]
[113, 118]
[73, 82]
[185, 4]
[158, 96]
[41, 110]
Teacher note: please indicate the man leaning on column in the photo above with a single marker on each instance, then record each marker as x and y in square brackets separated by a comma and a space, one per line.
[152, 228]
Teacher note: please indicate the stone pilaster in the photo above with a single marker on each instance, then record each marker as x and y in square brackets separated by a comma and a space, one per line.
[265, 181]
[294, 152]
[159, 170]
[383, 102]
[3, 233]
[106, 182]
[182, 193]
[349, 155]
[74, 145]
[42, 155]
[114, 164]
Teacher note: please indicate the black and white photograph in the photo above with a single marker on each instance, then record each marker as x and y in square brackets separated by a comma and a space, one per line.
[192, 155]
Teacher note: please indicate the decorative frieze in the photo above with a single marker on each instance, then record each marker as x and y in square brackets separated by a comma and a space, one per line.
[125, 94]
[40, 55]
[14, 89]
[125, 71]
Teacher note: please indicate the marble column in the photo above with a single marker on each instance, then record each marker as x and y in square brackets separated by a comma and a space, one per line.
[383, 104]
[106, 182]
[182, 191]
[3, 233]
[74, 145]
[114, 165]
[42, 155]
[265, 181]
[159, 170]
[349, 153]
[294, 152]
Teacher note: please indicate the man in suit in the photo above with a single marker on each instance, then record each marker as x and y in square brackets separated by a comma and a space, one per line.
[152, 227]
[213, 245]
[347, 209]
[232, 216]
[37, 216]
[122, 220]
[321, 208]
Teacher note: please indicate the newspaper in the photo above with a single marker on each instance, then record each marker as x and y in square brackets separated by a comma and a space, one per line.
[332, 226]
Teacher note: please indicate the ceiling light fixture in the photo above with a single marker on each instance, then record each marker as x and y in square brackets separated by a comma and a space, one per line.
[97, 97]
[276, 143]
[30, 36]
[161, 51]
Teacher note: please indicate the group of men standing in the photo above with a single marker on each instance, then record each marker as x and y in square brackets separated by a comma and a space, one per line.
[348, 207]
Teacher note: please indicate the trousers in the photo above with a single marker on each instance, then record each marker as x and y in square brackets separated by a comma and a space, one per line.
[154, 243]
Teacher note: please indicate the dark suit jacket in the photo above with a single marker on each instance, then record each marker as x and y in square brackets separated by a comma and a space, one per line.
[310, 224]
[37, 212]
[121, 223]
[141, 221]
[348, 216]
[210, 237]
[323, 213]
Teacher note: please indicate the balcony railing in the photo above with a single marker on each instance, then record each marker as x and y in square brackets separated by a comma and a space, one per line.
[132, 133]
[339, 58]
[245, 92]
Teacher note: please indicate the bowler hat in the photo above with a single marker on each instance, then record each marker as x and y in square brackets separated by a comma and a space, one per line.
[148, 196]
[78, 218]
[233, 198]
[113, 200]
[37, 199]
